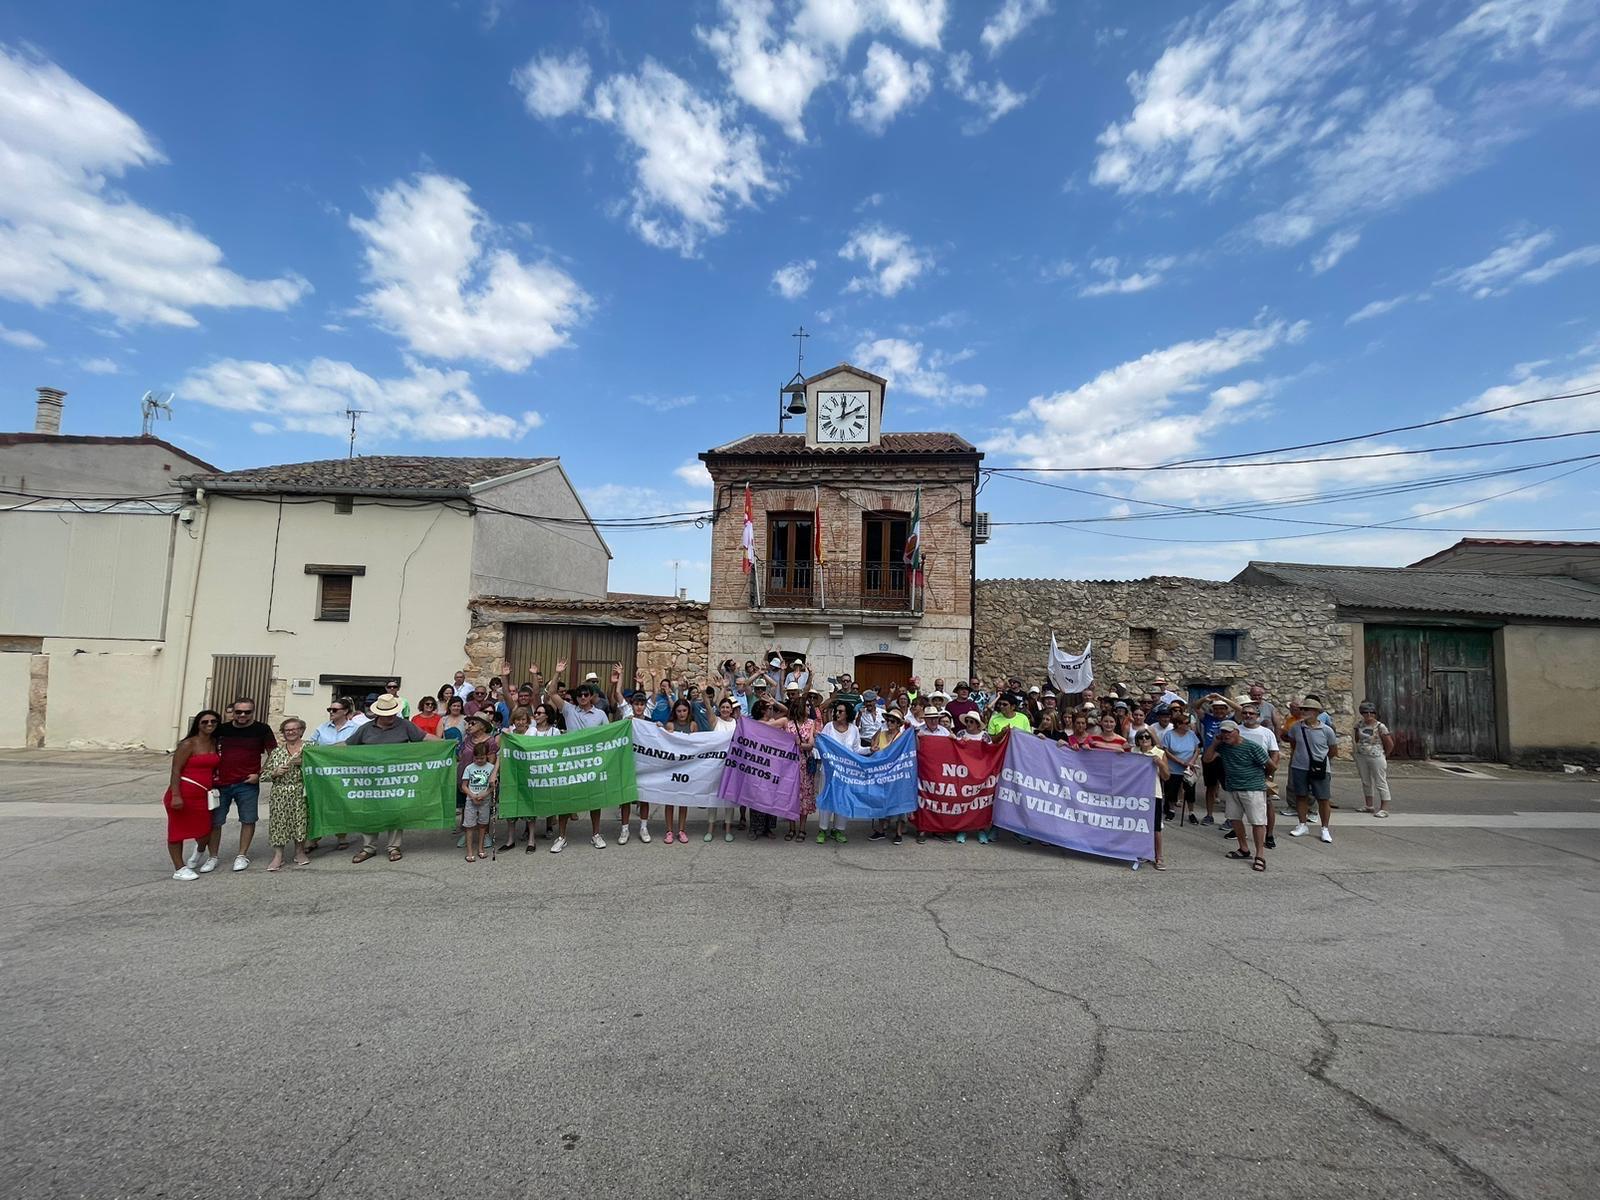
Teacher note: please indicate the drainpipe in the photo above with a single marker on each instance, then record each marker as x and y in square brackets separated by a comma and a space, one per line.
[199, 535]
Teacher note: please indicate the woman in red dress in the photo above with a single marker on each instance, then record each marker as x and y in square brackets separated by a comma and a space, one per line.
[194, 771]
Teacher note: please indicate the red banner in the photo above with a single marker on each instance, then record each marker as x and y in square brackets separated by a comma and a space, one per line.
[955, 783]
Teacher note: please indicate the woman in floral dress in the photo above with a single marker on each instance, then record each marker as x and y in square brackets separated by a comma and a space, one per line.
[805, 731]
[286, 819]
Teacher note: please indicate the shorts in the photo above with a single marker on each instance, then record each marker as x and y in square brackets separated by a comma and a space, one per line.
[1249, 807]
[246, 795]
[1211, 773]
[475, 813]
[1300, 784]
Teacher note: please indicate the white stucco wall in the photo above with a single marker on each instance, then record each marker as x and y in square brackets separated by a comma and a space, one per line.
[14, 699]
[89, 575]
[1550, 676]
[424, 552]
[107, 694]
[530, 559]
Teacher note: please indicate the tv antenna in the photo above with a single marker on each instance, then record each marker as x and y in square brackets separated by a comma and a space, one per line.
[353, 414]
[154, 406]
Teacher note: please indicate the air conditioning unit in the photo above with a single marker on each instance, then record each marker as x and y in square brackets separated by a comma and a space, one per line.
[980, 530]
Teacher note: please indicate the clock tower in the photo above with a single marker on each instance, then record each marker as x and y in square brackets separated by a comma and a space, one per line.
[844, 409]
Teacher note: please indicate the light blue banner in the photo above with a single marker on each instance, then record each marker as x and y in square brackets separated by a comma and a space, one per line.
[866, 786]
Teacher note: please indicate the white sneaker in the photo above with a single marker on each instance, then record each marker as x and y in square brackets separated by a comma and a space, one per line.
[557, 846]
[240, 862]
[622, 838]
[1327, 834]
[209, 865]
[644, 832]
[1300, 830]
[1288, 812]
[185, 873]
[196, 857]
[598, 842]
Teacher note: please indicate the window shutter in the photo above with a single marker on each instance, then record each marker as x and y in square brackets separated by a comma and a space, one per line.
[334, 602]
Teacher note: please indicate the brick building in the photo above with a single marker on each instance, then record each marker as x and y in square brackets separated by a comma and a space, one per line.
[832, 509]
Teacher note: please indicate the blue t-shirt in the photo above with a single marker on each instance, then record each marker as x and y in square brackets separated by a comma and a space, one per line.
[1208, 729]
[1182, 746]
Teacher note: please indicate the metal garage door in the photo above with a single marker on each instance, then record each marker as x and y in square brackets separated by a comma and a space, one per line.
[586, 648]
[235, 675]
[1434, 688]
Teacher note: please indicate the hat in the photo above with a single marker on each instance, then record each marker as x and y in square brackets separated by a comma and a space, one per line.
[1305, 702]
[971, 716]
[386, 706]
[937, 696]
[793, 687]
[933, 714]
[774, 661]
[893, 715]
[761, 681]
[1242, 701]
[1034, 690]
[1367, 706]
[1229, 727]
[963, 685]
[1122, 704]
[869, 696]
[482, 718]
[1220, 700]
[591, 676]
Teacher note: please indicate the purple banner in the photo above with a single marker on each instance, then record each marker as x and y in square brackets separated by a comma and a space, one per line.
[762, 770]
[1097, 801]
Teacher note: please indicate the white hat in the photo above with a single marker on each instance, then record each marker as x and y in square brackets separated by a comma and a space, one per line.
[591, 675]
[972, 715]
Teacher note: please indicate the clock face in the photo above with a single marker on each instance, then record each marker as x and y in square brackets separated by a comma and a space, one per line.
[842, 417]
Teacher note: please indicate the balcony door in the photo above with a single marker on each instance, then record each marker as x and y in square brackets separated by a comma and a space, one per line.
[884, 575]
[791, 567]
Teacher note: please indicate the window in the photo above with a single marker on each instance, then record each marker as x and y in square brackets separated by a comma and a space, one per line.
[1141, 645]
[344, 504]
[1225, 645]
[790, 558]
[884, 574]
[334, 586]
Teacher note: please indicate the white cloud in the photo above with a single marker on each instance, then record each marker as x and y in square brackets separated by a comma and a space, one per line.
[773, 75]
[992, 100]
[67, 235]
[887, 86]
[1378, 307]
[99, 366]
[438, 284]
[1126, 415]
[793, 280]
[693, 162]
[694, 474]
[1558, 416]
[901, 363]
[893, 261]
[1235, 92]
[427, 405]
[1510, 27]
[664, 403]
[1512, 265]
[1335, 248]
[21, 339]
[1111, 283]
[551, 86]
[1009, 20]
[836, 23]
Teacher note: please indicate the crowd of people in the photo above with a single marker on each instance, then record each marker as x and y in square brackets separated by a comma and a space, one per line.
[1220, 752]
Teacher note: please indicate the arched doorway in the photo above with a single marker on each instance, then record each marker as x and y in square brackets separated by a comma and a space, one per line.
[879, 671]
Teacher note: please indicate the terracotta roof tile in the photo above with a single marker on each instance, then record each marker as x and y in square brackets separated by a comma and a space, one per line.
[381, 473]
[776, 444]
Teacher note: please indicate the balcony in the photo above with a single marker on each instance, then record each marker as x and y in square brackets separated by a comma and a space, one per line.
[835, 587]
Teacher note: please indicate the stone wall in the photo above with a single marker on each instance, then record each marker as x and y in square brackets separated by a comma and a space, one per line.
[671, 632]
[1163, 626]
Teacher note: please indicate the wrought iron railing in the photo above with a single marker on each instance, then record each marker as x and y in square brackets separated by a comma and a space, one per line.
[835, 586]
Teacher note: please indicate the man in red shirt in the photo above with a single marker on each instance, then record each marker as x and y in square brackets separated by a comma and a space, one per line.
[242, 742]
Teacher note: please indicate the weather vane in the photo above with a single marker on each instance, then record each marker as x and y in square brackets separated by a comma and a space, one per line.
[799, 347]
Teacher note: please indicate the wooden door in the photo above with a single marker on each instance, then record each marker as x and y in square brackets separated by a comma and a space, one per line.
[1434, 688]
[880, 671]
[585, 648]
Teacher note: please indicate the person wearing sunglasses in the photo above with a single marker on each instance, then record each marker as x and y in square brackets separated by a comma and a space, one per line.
[194, 774]
[242, 742]
[339, 727]
[1182, 746]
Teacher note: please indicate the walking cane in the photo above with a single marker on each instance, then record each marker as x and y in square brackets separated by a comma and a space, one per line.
[494, 811]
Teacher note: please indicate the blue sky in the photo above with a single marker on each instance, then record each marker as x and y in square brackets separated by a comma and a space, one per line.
[1086, 235]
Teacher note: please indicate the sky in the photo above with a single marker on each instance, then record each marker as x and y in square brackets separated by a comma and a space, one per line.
[1084, 236]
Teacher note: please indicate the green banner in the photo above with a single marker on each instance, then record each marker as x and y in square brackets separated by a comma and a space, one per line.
[370, 789]
[568, 773]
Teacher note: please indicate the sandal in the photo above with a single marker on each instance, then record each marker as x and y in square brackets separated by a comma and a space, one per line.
[530, 848]
[1382, 812]
[1369, 809]
[471, 858]
[342, 845]
[302, 862]
[788, 835]
[1241, 855]
[1160, 864]
[363, 854]
[312, 844]
[394, 855]
[277, 867]
[1260, 864]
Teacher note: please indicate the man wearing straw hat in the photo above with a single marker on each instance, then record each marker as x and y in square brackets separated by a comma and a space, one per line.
[1314, 745]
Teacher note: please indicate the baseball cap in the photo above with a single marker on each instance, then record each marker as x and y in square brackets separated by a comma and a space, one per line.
[1229, 727]
[868, 696]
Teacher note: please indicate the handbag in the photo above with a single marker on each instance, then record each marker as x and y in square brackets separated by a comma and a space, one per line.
[213, 799]
[1316, 768]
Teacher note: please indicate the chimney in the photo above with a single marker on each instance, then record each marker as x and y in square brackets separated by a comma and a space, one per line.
[48, 419]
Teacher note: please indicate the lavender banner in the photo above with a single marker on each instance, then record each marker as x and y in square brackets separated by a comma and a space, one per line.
[762, 770]
[1098, 801]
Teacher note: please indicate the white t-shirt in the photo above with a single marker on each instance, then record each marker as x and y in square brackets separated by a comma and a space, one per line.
[845, 737]
[1261, 736]
[929, 730]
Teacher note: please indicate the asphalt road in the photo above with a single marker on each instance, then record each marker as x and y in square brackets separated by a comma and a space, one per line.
[1409, 1012]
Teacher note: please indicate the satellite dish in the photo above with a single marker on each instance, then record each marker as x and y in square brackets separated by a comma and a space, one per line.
[154, 405]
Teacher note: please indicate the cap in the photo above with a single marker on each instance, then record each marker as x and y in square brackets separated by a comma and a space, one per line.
[386, 706]
[868, 696]
[1367, 706]
[1122, 704]
[1229, 727]
[1034, 690]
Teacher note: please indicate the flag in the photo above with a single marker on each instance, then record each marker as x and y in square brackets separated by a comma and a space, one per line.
[816, 524]
[748, 540]
[1070, 672]
[913, 552]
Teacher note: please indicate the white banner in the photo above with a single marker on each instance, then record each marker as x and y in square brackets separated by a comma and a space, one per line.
[678, 768]
[1070, 672]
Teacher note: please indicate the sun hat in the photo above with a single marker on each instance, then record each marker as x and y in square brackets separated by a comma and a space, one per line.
[893, 715]
[962, 684]
[591, 677]
[1311, 702]
[760, 682]
[484, 719]
[793, 687]
[1034, 690]
[386, 706]
[971, 716]
[937, 696]
[868, 696]
[774, 661]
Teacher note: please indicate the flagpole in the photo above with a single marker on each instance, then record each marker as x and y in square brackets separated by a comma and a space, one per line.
[822, 576]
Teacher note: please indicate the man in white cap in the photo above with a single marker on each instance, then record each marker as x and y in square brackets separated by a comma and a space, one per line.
[1313, 746]
[869, 721]
[582, 715]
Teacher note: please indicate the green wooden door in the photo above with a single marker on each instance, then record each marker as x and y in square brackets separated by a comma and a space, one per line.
[1434, 688]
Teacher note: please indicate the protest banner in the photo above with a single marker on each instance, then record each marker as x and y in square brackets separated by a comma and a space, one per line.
[1097, 801]
[678, 768]
[955, 783]
[371, 789]
[572, 772]
[1070, 673]
[762, 770]
[863, 786]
